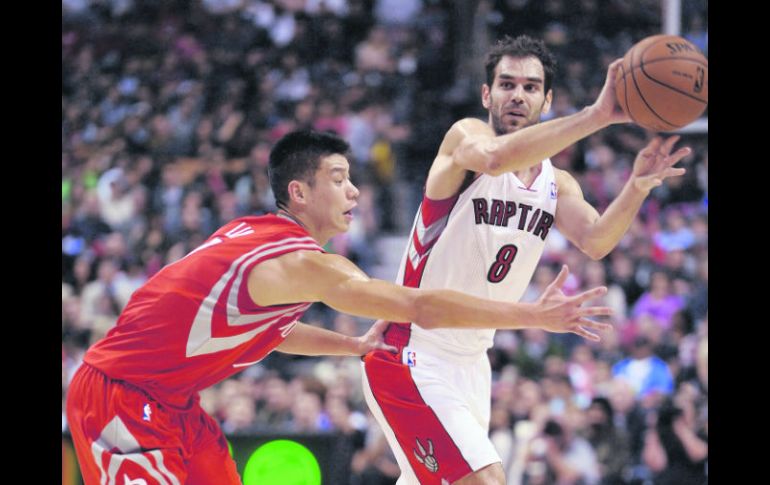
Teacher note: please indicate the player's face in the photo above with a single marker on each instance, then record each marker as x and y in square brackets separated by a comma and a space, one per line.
[516, 98]
[332, 196]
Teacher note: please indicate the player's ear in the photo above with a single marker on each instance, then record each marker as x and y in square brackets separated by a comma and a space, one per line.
[485, 96]
[297, 192]
[547, 103]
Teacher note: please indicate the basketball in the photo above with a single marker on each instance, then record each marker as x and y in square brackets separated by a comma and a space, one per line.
[663, 83]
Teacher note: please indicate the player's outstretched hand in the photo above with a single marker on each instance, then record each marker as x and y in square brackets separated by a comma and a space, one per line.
[560, 313]
[373, 339]
[655, 162]
[606, 105]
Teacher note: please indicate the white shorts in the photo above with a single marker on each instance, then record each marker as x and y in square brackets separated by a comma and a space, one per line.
[434, 409]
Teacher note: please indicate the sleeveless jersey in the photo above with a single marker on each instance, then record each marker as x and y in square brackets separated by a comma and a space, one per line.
[194, 324]
[485, 241]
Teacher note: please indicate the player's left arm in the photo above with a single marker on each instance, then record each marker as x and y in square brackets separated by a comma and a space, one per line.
[596, 235]
[306, 339]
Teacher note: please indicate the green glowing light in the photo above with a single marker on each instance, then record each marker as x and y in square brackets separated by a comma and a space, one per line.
[282, 461]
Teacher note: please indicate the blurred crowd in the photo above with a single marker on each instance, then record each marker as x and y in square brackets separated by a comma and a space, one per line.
[169, 111]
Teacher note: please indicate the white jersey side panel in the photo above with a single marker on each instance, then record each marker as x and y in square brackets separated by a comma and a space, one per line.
[490, 246]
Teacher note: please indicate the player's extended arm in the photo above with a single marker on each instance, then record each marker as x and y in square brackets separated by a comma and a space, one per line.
[304, 276]
[597, 235]
[306, 339]
[478, 149]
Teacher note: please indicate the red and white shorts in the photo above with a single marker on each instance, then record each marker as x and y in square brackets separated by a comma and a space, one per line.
[434, 408]
[122, 436]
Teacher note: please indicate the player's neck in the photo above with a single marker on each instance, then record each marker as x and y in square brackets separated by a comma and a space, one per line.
[298, 219]
[288, 215]
[528, 175]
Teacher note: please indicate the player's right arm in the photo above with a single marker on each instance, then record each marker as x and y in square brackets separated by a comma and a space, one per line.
[475, 147]
[596, 235]
[304, 276]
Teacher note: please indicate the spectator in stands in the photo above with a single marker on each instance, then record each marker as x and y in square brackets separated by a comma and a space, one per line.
[645, 372]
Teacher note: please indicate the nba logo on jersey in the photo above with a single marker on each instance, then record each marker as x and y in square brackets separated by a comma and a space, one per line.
[146, 412]
[411, 358]
[554, 192]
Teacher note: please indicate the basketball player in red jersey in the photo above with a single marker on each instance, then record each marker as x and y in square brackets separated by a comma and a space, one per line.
[491, 198]
[133, 406]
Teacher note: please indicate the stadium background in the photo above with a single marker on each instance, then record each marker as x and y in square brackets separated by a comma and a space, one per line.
[169, 110]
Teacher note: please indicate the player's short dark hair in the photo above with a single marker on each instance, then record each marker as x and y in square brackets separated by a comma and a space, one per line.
[297, 156]
[521, 46]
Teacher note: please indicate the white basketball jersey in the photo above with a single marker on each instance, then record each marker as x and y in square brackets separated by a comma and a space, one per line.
[486, 241]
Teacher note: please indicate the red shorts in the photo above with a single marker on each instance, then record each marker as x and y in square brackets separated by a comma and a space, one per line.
[434, 409]
[123, 436]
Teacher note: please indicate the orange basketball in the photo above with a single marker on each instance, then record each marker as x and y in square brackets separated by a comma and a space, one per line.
[663, 83]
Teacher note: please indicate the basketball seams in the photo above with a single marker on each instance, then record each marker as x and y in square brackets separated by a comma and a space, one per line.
[694, 60]
[660, 90]
[673, 88]
[641, 95]
[674, 58]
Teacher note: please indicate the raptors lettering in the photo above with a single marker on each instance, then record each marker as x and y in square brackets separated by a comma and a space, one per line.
[499, 213]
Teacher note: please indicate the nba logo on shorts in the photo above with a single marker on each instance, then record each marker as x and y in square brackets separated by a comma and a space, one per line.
[411, 358]
[553, 190]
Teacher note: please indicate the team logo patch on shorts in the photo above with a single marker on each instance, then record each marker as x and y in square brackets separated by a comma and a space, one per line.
[426, 458]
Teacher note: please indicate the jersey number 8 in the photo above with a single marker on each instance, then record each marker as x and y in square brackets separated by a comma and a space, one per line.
[502, 265]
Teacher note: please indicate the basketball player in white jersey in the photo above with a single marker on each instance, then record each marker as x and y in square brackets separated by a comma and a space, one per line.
[491, 198]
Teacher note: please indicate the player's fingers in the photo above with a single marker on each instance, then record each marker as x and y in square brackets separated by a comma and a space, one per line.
[678, 155]
[380, 324]
[389, 348]
[654, 145]
[590, 294]
[586, 334]
[666, 147]
[595, 311]
[560, 278]
[673, 172]
[594, 325]
[612, 69]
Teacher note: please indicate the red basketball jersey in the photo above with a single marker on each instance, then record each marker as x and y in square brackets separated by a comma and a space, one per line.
[194, 324]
